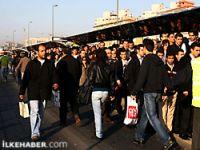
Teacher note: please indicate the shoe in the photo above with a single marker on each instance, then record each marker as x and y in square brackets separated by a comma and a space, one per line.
[138, 141]
[171, 145]
[183, 136]
[35, 138]
[77, 120]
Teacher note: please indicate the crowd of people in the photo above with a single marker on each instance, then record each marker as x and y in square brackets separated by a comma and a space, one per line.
[157, 73]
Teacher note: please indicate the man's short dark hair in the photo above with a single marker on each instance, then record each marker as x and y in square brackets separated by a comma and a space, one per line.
[178, 35]
[195, 44]
[148, 43]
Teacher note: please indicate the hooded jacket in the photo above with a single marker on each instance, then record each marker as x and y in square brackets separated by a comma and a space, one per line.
[152, 76]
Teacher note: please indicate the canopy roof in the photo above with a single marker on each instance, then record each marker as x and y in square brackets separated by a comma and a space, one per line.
[175, 22]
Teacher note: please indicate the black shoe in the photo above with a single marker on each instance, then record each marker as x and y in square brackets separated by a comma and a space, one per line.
[138, 141]
[171, 145]
[183, 136]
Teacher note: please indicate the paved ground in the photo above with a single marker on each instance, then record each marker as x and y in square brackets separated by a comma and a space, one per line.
[117, 137]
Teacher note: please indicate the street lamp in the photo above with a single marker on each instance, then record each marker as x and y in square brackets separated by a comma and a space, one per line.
[53, 6]
[117, 11]
[13, 45]
[29, 32]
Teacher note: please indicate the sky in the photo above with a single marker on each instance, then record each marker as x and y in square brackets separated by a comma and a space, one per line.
[70, 17]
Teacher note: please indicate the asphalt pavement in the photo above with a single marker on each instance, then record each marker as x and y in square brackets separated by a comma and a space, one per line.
[116, 136]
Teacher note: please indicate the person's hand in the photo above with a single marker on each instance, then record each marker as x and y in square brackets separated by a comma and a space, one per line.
[164, 98]
[133, 97]
[112, 98]
[55, 86]
[21, 98]
[185, 93]
[119, 83]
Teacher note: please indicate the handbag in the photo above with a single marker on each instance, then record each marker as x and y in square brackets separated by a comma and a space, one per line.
[23, 109]
[131, 117]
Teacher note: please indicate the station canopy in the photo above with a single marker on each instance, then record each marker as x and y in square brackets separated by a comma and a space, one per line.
[174, 22]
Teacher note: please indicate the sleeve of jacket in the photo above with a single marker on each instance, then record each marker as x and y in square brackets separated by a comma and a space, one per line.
[112, 83]
[142, 76]
[54, 74]
[91, 74]
[26, 79]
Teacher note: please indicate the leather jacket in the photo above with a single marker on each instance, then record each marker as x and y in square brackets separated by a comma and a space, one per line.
[101, 77]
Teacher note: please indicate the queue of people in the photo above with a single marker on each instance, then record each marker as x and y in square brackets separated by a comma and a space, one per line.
[158, 74]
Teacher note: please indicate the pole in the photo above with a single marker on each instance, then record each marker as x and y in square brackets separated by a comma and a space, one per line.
[13, 45]
[53, 21]
[29, 32]
[117, 11]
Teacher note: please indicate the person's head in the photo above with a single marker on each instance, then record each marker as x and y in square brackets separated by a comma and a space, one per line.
[170, 59]
[108, 53]
[114, 53]
[178, 39]
[193, 36]
[155, 44]
[101, 45]
[195, 49]
[48, 56]
[148, 46]
[180, 54]
[101, 56]
[93, 48]
[140, 50]
[86, 48]
[125, 44]
[74, 51]
[160, 54]
[41, 51]
[165, 44]
[123, 54]
[163, 36]
[171, 38]
[82, 53]
[131, 45]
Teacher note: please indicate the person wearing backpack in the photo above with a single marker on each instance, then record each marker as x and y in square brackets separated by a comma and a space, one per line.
[102, 80]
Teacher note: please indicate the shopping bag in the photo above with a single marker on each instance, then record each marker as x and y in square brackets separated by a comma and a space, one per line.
[23, 109]
[56, 98]
[131, 117]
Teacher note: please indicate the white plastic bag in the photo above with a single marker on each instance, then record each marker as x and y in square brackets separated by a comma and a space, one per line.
[131, 112]
[23, 110]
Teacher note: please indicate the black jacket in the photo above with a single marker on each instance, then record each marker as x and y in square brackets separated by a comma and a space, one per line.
[69, 71]
[152, 76]
[131, 72]
[101, 77]
[39, 80]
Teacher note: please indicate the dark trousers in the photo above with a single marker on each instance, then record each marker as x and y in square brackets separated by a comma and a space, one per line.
[182, 123]
[65, 97]
[196, 129]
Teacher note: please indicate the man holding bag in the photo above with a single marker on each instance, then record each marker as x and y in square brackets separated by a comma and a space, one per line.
[151, 79]
[39, 77]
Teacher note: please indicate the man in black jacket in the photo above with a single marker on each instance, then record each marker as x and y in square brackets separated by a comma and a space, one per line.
[69, 71]
[151, 79]
[39, 77]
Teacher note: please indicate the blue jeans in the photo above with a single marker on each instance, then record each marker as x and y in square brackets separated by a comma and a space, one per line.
[36, 115]
[98, 97]
[149, 113]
